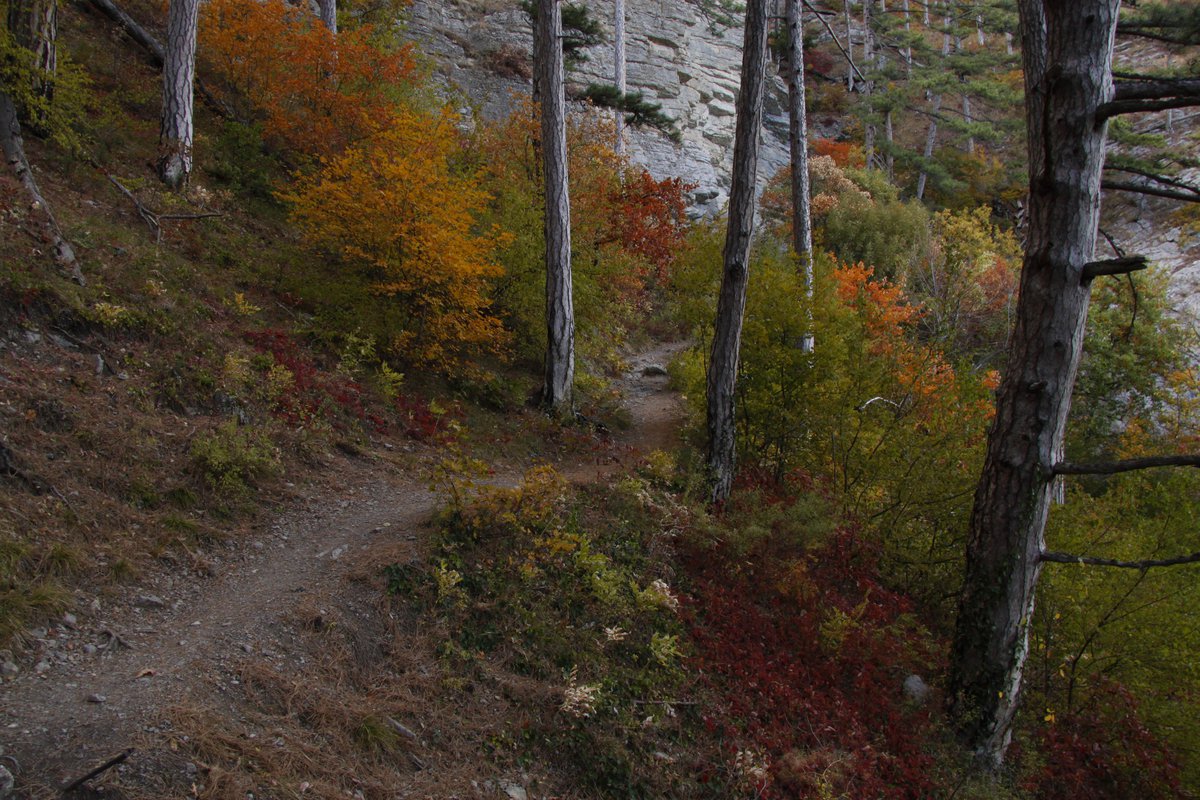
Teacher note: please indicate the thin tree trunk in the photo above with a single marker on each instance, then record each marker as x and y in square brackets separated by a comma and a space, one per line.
[931, 134]
[13, 147]
[619, 68]
[930, 141]
[179, 73]
[34, 26]
[328, 9]
[1067, 54]
[798, 143]
[868, 85]
[560, 313]
[849, 48]
[731, 305]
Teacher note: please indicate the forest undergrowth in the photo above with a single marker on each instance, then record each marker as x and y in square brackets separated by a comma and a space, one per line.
[353, 283]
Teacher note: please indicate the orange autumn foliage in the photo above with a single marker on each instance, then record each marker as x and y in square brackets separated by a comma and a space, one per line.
[649, 216]
[314, 94]
[844, 154]
[920, 373]
[393, 207]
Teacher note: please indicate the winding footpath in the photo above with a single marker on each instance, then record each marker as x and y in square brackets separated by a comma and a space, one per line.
[103, 681]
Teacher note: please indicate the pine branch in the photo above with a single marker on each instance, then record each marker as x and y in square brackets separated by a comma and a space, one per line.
[1154, 191]
[1067, 558]
[1163, 179]
[1128, 465]
[1157, 94]
[1113, 266]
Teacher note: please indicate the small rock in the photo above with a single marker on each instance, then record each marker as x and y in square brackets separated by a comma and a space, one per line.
[654, 369]
[247, 648]
[41, 667]
[39, 633]
[70, 620]
[515, 791]
[9, 670]
[916, 689]
[97, 698]
[89, 649]
[151, 601]
[6, 782]
[337, 552]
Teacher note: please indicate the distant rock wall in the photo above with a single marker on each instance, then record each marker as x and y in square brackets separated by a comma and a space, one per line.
[673, 55]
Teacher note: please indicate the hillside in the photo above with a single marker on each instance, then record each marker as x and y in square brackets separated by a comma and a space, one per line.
[280, 516]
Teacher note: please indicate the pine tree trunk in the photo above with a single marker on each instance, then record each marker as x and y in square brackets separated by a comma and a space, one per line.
[930, 141]
[34, 26]
[328, 9]
[798, 144]
[1067, 54]
[560, 312]
[731, 305]
[179, 73]
[619, 68]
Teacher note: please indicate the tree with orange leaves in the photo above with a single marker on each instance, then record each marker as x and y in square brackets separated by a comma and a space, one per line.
[314, 93]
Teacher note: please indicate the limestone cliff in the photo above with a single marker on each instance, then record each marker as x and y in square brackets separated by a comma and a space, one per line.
[674, 55]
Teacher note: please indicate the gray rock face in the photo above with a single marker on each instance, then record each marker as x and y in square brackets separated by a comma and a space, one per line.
[673, 55]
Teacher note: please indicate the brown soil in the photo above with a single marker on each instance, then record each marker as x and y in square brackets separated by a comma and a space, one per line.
[181, 645]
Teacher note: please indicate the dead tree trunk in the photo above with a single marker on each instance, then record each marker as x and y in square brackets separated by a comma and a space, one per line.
[1067, 53]
[731, 305]
[179, 74]
[328, 9]
[560, 312]
[798, 143]
[619, 68]
[13, 148]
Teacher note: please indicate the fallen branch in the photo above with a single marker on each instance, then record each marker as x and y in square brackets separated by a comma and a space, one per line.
[1067, 558]
[115, 640]
[107, 765]
[153, 219]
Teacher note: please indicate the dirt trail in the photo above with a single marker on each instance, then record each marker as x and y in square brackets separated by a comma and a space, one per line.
[181, 636]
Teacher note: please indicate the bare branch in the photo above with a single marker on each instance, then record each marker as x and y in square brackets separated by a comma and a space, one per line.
[836, 41]
[1067, 558]
[1166, 180]
[1153, 191]
[1113, 266]
[1159, 94]
[1128, 465]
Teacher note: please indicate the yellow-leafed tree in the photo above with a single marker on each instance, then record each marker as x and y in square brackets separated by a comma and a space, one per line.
[394, 207]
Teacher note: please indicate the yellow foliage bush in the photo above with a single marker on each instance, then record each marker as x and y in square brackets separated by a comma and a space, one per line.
[393, 207]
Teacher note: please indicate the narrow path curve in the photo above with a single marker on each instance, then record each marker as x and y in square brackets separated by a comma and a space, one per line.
[182, 639]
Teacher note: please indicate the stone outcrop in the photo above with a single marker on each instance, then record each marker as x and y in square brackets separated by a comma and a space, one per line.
[675, 55]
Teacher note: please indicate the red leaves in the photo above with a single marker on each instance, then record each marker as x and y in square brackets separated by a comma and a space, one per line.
[1104, 752]
[808, 652]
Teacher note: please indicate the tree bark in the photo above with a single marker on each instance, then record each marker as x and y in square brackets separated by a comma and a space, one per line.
[731, 305]
[557, 394]
[798, 144]
[328, 9]
[1067, 54]
[179, 74]
[34, 26]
